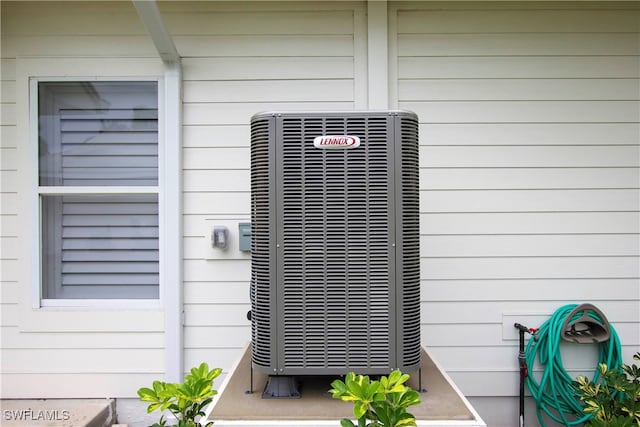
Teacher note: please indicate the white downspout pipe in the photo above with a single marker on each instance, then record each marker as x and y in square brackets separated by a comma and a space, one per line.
[173, 280]
[378, 54]
[171, 196]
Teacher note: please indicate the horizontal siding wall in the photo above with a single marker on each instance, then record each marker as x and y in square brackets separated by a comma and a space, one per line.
[84, 352]
[240, 59]
[530, 178]
[9, 238]
[529, 182]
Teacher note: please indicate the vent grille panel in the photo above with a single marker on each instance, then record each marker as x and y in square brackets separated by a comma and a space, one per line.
[336, 247]
[260, 289]
[410, 243]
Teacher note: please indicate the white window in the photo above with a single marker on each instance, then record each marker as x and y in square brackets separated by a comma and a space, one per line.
[98, 189]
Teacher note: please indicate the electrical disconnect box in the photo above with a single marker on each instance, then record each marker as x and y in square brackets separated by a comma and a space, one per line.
[335, 272]
[244, 236]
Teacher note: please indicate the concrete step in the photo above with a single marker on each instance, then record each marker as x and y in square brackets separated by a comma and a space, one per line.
[57, 412]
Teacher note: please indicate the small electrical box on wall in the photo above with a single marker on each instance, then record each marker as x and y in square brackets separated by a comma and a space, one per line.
[226, 238]
[220, 237]
[244, 236]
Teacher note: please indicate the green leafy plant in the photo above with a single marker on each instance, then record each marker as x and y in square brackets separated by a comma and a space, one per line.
[614, 401]
[187, 400]
[380, 403]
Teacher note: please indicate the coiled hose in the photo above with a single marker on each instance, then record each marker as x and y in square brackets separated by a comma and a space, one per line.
[554, 393]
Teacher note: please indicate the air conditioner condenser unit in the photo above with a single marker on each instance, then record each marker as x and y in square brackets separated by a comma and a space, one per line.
[335, 260]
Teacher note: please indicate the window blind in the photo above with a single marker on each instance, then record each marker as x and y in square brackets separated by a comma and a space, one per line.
[103, 135]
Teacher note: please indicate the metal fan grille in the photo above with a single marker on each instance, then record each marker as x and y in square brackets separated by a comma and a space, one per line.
[409, 329]
[336, 216]
[261, 270]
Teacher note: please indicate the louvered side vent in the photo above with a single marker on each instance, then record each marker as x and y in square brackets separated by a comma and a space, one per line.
[261, 271]
[329, 258]
[410, 225]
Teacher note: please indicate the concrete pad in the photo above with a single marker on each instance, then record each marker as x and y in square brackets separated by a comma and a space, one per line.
[57, 412]
[442, 404]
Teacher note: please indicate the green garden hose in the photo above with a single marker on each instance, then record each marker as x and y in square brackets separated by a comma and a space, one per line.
[553, 392]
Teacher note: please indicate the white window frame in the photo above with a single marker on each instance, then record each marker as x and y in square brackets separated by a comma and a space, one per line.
[37, 285]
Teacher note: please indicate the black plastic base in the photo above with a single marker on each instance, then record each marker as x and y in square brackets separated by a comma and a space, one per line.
[281, 387]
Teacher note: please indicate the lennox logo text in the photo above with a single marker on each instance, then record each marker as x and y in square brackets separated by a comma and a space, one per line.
[336, 142]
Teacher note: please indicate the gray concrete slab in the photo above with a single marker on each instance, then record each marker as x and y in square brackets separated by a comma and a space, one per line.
[441, 403]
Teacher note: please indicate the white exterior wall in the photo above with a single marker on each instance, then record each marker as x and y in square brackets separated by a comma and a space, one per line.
[530, 155]
[64, 352]
[239, 60]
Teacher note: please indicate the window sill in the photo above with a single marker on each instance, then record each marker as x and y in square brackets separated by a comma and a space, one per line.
[107, 304]
[93, 316]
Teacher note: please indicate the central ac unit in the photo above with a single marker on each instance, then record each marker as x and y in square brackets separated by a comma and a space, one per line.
[335, 261]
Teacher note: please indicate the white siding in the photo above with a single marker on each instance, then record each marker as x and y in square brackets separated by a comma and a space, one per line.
[9, 218]
[84, 352]
[239, 60]
[530, 155]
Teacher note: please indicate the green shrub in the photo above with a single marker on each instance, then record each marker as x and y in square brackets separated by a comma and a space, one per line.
[187, 400]
[614, 401]
[380, 403]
